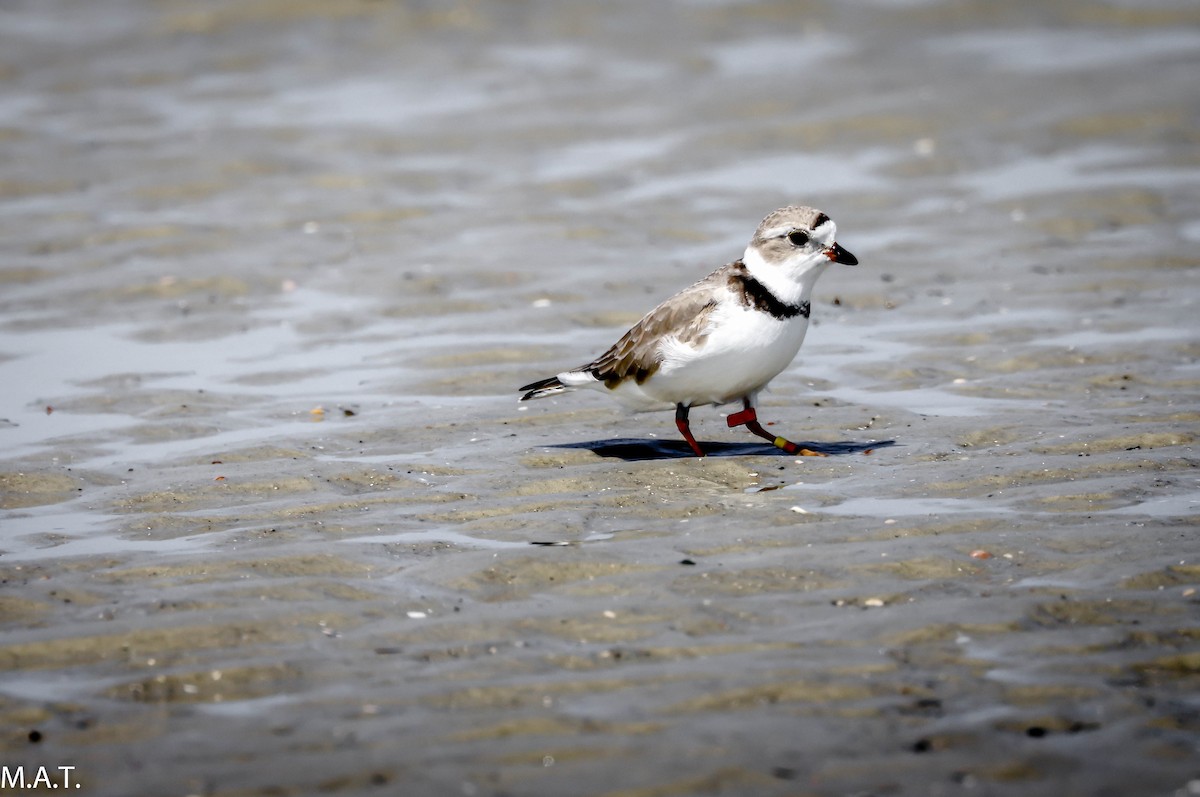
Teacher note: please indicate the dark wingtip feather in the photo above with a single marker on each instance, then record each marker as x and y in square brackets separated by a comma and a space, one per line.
[542, 384]
[534, 388]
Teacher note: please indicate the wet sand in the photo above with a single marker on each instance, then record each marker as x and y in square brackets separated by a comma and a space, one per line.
[272, 521]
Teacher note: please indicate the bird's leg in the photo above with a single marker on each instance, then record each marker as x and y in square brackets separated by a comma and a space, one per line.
[749, 418]
[681, 420]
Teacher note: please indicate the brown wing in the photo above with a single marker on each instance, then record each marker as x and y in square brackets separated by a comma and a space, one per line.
[685, 315]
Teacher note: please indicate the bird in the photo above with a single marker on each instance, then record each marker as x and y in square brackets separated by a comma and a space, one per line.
[724, 338]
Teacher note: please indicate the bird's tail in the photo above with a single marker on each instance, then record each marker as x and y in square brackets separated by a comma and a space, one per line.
[543, 388]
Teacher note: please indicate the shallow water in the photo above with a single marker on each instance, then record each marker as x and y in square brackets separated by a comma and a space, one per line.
[269, 509]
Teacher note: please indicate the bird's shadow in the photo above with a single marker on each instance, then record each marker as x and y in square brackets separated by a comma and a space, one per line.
[635, 450]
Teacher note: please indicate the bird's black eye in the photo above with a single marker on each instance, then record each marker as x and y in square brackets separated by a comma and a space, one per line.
[797, 238]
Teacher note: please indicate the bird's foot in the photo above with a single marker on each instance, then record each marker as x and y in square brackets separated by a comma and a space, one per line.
[749, 418]
[808, 452]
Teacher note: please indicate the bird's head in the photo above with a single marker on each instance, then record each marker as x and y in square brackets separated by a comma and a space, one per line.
[798, 240]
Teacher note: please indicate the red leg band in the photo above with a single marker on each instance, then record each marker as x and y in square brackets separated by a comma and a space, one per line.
[746, 416]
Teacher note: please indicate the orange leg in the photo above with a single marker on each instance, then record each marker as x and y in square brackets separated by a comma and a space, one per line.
[685, 429]
[749, 418]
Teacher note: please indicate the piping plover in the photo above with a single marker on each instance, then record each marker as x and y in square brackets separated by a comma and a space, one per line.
[724, 338]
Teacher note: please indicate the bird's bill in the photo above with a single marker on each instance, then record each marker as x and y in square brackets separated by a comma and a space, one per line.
[839, 255]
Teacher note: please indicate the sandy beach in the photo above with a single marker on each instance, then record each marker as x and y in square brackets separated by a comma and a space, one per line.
[272, 521]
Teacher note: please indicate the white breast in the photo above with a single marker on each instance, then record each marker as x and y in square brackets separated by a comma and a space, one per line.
[745, 349]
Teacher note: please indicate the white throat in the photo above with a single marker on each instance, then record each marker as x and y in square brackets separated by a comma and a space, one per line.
[792, 280]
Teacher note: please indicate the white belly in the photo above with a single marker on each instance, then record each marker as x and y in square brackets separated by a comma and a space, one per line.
[745, 350]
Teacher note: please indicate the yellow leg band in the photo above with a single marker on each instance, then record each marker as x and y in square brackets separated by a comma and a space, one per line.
[781, 443]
